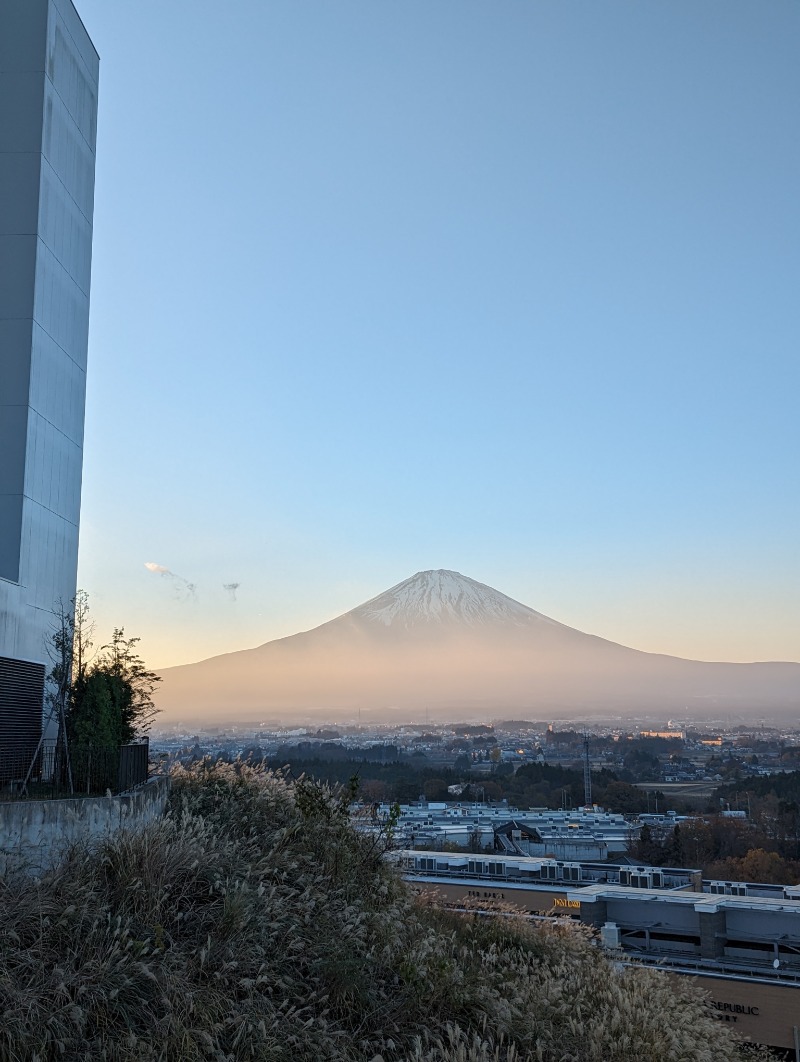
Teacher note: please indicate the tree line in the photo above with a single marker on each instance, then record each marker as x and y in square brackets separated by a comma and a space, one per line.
[763, 847]
[409, 777]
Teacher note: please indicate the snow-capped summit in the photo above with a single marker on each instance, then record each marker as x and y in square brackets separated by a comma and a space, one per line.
[445, 597]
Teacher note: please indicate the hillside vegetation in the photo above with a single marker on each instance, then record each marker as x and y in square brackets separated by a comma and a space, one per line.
[253, 923]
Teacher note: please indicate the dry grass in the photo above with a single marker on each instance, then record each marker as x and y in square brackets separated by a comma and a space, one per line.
[253, 923]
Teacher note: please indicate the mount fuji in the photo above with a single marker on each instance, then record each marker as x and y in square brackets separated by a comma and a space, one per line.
[456, 647]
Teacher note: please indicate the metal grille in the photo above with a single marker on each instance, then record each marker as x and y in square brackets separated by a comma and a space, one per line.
[21, 701]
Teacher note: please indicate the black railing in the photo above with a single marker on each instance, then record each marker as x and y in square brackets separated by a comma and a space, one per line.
[133, 765]
[44, 773]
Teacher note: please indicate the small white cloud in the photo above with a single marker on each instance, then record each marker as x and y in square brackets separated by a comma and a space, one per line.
[183, 589]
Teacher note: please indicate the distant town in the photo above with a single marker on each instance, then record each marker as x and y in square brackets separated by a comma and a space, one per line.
[683, 761]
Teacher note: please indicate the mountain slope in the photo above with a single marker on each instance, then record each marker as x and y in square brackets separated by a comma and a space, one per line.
[442, 641]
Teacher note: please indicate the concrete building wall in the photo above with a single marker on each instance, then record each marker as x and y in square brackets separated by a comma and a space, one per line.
[34, 834]
[48, 117]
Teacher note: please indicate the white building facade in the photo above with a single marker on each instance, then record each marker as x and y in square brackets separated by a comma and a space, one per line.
[48, 120]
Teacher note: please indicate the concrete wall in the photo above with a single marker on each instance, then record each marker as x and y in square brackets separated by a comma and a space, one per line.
[34, 834]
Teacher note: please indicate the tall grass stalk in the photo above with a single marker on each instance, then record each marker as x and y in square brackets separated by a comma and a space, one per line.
[254, 923]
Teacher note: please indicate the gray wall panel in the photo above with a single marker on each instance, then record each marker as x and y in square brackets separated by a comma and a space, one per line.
[21, 109]
[71, 78]
[13, 612]
[22, 42]
[15, 362]
[52, 469]
[17, 275]
[64, 228]
[10, 534]
[49, 563]
[60, 307]
[19, 192]
[57, 386]
[80, 38]
[68, 152]
[13, 435]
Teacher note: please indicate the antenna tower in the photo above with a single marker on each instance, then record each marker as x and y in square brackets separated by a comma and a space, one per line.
[587, 772]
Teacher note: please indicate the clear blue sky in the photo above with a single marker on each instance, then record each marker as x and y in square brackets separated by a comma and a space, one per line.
[510, 288]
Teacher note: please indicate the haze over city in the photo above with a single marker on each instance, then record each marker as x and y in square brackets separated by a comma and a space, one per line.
[505, 289]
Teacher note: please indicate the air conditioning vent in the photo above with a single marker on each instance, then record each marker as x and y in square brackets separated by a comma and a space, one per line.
[21, 702]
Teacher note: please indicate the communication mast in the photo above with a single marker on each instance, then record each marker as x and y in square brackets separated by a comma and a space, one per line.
[587, 772]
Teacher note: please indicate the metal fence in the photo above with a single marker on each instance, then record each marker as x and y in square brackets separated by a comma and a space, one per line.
[43, 773]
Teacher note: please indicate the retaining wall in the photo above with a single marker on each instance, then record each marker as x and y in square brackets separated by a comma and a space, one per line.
[34, 834]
